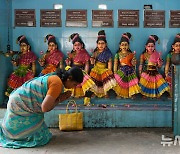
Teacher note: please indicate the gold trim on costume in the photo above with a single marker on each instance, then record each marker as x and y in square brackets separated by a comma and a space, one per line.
[79, 64]
[101, 65]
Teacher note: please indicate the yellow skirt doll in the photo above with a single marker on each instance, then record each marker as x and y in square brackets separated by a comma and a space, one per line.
[102, 73]
[79, 57]
[103, 78]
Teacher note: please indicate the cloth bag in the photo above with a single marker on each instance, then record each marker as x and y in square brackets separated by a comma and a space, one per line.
[71, 121]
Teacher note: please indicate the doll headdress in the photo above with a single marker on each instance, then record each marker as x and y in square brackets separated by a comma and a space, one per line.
[101, 36]
[50, 38]
[22, 39]
[75, 38]
[125, 37]
[153, 39]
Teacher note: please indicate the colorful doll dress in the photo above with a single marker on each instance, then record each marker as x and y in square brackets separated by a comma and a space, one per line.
[23, 124]
[101, 75]
[79, 59]
[23, 72]
[52, 61]
[126, 75]
[151, 81]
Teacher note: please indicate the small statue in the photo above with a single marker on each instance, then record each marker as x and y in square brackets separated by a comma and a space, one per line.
[53, 58]
[175, 51]
[79, 57]
[152, 83]
[24, 61]
[124, 69]
[102, 73]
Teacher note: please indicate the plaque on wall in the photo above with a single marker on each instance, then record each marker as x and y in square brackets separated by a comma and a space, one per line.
[76, 18]
[24, 18]
[154, 19]
[102, 18]
[50, 18]
[174, 21]
[128, 18]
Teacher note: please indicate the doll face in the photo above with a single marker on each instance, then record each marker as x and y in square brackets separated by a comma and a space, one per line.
[77, 46]
[150, 47]
[124, 46]
[101, 45]
[24, 47]
[52, 46]
[176, 47]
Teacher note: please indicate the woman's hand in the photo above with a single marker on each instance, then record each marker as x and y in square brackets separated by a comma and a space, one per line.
[49, 102]
[64, 96]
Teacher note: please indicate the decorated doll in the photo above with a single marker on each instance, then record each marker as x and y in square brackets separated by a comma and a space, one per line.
[79, 57]
[151, 81]
[25, 65]
[53, 58]
[102, 73]
[124, 69]
[175, 49]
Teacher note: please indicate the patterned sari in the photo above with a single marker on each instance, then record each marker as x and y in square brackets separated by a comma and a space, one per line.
[23, 124]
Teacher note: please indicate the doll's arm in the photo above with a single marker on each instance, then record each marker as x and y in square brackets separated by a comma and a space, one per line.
[42, 60]
[92, 59]
[110, 64]
[14, 62]
[68, 62]
[116, 62]
[86, 67]
[141, 63]
[167, 68]
[160, 62]
[115, 65]
[69, 59]
[34, 67]
[134, 61]
[61, 66]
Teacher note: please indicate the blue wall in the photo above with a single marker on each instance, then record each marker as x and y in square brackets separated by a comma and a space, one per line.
[5, 66]
[36, 35]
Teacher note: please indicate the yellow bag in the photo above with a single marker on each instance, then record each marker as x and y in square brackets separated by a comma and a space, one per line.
[71, 121]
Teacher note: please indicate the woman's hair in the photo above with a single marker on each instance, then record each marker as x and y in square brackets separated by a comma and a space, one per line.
[74, 72]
